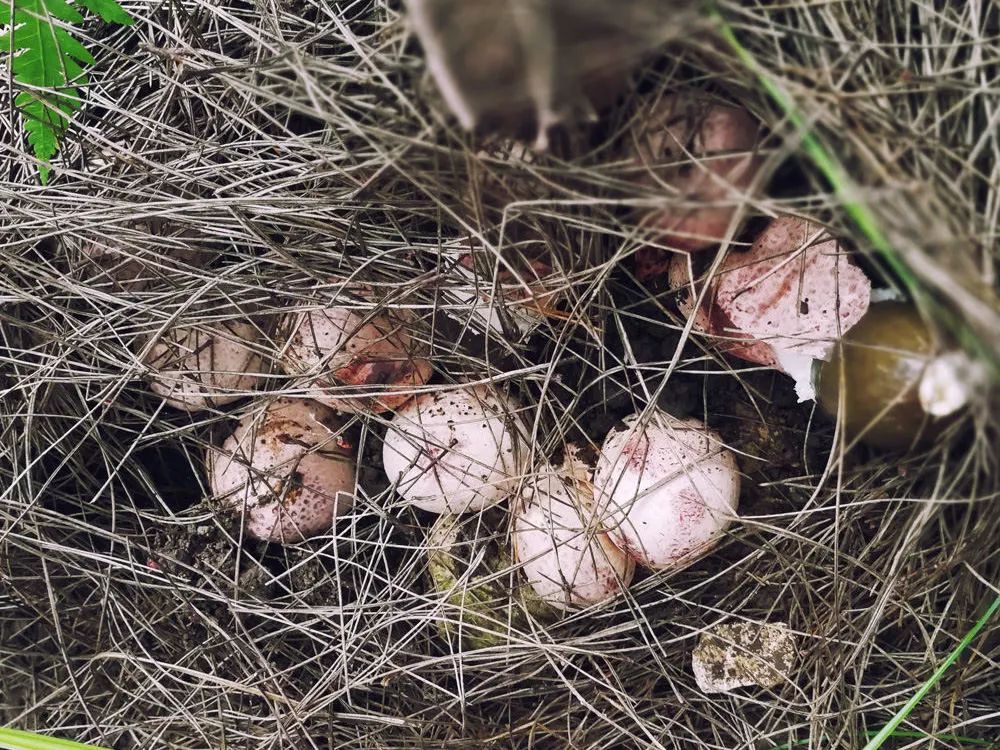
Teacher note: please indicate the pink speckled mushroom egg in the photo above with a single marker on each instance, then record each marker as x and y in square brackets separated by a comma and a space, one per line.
[283, 468]
[354, 360]
[194, 367]
[703, 155]
[454, 451]
[666, 490]
[564, 552]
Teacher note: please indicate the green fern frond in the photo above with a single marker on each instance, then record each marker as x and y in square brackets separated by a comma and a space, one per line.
[47, 62]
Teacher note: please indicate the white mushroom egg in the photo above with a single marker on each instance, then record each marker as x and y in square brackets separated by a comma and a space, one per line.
[512, 304]
[667, 489]
[134, 257]
[564, 552]
[199, 367]
[355, 360]
[284, 469]
[454, 451]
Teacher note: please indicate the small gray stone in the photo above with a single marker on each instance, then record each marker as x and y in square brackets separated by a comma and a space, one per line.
[743, 654]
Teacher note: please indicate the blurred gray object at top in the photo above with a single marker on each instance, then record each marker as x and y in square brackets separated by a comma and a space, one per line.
[519, 67]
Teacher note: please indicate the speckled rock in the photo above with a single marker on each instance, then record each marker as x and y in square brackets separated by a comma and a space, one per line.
[743, 654]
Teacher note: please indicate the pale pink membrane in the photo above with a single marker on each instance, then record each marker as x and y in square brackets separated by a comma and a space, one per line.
[790, 297]
[795, 289]
[711, 320]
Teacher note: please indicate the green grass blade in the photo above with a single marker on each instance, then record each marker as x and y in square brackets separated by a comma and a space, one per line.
[956, 739]
[886, 732]
[16, 739]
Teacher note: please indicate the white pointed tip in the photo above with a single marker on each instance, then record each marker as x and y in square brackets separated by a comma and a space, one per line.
[800, 367]
[948, 383]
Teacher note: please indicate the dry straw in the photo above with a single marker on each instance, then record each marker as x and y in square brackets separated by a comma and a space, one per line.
[241, 156]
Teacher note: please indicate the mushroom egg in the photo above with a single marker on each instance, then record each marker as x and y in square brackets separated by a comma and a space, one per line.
[703, 153]
[454, 451]
[283, 468]
[564, 552]
[666, 490]
[195, 367]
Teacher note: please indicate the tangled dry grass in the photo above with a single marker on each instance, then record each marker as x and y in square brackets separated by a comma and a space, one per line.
[240, 155]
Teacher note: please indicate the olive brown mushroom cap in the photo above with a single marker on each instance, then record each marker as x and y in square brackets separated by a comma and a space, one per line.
[194, 367]
[565, 554]
[454, 451]
[285, 471]
[879, 366]
[666, 490]
[354, 361]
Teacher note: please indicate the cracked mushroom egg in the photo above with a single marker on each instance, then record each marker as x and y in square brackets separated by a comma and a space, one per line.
[194, 367]
[564, 552]
[354, 360]
[785, 302]
[702, 154]
[666, 490]
[286, 470]
[454, 451]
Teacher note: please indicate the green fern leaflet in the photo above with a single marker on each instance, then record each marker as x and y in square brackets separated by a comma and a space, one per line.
[47, 63]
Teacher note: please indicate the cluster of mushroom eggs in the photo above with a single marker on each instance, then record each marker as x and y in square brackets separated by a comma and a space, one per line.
[663, 491]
